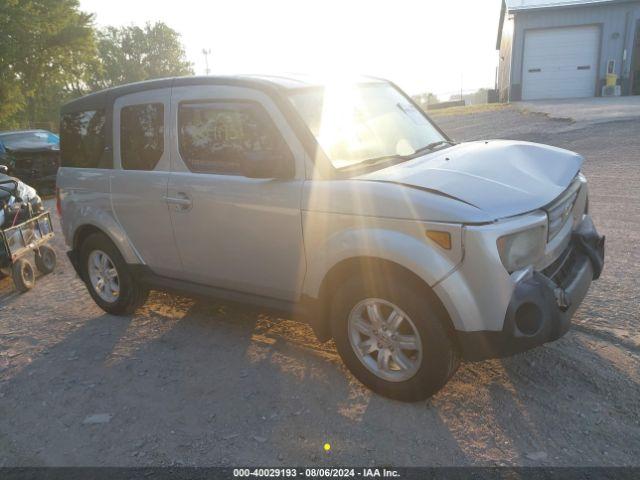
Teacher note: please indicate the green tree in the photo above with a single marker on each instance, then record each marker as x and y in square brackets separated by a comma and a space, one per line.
[426, 99]
[131, 54]
[45, 49]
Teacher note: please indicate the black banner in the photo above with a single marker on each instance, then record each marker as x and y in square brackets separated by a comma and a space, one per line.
[440, 473]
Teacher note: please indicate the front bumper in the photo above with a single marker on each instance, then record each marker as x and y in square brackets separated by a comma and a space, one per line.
[542, 303]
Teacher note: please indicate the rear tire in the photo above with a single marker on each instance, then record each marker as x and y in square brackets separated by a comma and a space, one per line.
[432, 363]
[24, 276]
[46, 260]
[108, 278]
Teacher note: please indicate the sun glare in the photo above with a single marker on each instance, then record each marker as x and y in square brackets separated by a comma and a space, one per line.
[337, 129]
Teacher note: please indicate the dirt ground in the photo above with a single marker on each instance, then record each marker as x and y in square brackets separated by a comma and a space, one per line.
[185, 382]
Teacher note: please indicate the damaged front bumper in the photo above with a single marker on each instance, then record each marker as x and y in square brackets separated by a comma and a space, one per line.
[542, 303]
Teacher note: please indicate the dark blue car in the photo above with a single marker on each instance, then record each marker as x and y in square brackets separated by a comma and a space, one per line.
[33, 156]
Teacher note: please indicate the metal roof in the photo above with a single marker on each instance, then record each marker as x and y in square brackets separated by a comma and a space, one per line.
[519, 5]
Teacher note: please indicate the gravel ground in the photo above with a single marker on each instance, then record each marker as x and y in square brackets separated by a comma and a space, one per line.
[592, 110]
[185, 382]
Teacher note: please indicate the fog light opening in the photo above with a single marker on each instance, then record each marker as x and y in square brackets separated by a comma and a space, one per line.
[528, 318]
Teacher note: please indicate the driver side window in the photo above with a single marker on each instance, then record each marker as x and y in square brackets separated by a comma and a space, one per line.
[214, 136]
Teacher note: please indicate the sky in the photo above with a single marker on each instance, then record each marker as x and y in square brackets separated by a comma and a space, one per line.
[439, 46]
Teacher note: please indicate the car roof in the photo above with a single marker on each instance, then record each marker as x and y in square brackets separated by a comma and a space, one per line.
[291, 81]
[273, 83]
[12, 132]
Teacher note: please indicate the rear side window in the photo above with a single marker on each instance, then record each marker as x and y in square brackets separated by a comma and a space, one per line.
[82, 139]
[213, 136]
[141, 136]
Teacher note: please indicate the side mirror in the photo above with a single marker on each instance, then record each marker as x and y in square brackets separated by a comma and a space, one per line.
[4, 169]
[267, 164]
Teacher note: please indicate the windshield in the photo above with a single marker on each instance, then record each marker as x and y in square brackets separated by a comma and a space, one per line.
[29, 140]
[360, 123]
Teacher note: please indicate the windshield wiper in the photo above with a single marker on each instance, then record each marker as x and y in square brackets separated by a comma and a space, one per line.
[373, 161]
[432, 146]
[387, 158]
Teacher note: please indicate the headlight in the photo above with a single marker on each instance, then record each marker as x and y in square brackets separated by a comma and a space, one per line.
[522, 249]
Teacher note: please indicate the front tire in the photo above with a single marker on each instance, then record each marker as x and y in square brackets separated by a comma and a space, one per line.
[391, 338]
[107, 277]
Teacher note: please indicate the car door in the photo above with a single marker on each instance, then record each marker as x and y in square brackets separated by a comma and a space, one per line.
[234, 232]
[140, 177]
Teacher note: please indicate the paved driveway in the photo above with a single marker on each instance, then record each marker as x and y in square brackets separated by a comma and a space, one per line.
[587, 110]
[186, 382]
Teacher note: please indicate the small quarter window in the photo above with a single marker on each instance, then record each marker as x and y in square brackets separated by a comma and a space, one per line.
[141, 136]
[214, 136]
[82, 140]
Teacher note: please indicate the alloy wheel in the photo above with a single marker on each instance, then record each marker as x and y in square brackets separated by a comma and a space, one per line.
[385, 339]
[103, 276]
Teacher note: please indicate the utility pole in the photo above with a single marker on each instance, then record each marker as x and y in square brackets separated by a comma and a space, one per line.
[206, 52]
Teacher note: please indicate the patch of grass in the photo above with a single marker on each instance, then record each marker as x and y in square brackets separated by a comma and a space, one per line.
[467, 110]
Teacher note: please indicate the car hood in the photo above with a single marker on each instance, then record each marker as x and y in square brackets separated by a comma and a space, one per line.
[502, 178]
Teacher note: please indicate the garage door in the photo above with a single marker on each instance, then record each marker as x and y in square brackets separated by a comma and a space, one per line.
[560, 63]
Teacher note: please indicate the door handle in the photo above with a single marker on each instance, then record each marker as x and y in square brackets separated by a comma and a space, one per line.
[181, 200]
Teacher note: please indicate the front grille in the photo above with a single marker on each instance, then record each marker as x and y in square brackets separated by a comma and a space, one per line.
[560, 270]
[559, 212]
[43, 163]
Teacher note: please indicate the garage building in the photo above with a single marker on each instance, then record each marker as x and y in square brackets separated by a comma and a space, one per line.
[566, 48]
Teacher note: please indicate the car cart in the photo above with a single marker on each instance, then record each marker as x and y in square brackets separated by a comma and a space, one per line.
[16, 245]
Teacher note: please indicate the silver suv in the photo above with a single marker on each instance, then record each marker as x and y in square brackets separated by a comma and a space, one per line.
[340, 203]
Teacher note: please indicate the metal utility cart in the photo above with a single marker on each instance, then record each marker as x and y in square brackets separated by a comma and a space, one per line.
[16, 245]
